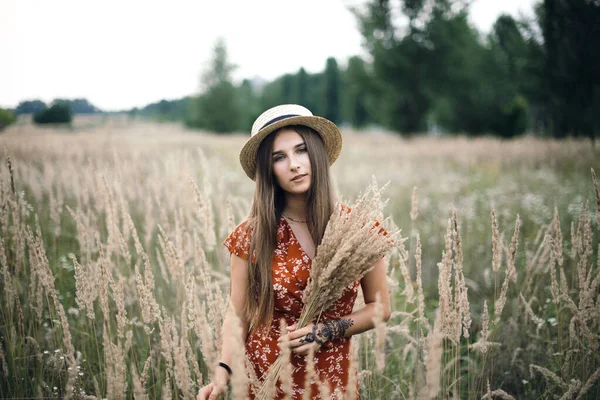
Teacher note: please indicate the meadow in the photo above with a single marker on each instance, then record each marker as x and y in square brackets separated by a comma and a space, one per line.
[115, 280]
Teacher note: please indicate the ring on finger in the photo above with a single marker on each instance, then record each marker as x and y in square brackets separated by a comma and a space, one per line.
[308, 338]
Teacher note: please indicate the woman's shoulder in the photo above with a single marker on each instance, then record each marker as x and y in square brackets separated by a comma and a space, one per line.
[238, 241]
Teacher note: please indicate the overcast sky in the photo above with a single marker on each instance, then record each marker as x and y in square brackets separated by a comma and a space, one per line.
[121, 54]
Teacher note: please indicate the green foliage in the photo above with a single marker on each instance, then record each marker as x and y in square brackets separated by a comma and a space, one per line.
[439, 69]
[164, 110]
[572, 65]
[79, 106]
[514, 117]
[356, 90]
[30, 107]
[58, 113]
[217, 108]
[6, 118]
[436, 72]
[331, 106]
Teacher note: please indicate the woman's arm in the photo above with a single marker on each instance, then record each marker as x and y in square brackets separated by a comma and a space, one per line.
[359, 321]
[238, 292]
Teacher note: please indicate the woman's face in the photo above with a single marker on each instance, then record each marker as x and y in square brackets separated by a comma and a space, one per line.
[291, 164]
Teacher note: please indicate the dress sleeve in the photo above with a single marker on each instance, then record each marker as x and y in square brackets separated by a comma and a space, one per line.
[238, 241]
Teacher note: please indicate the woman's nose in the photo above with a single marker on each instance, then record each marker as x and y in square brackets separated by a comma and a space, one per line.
[293, 163]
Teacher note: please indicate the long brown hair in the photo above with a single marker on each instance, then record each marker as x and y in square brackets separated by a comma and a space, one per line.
[267, 206]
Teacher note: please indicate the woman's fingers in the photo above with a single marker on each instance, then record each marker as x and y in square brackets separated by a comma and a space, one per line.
[303, 350]
[211, 392]
[217, 392]
[296, 334]
[300, 332]
[204, 392]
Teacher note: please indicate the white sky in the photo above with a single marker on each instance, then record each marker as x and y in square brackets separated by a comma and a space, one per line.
[121, 54]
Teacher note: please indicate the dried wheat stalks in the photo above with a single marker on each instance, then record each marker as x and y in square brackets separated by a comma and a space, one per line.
[414, 211]
[496, 244]
[497, 393]
[286, 369]
[510, 272]
[597, 199]
[483, 344]
[433, 361]
[591, 380]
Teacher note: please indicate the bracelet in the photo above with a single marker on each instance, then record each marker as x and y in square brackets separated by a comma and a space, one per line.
[222, 364]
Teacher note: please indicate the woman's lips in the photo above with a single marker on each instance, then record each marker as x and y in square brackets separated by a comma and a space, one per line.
[298, 178]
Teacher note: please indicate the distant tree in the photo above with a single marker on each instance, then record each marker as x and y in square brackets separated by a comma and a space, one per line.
[249, 105]
[164, 110]
[133, 112]
[316, 93]
[356, 92]
[287, 88]
[7, 118]
[216, 108]
[272, 94]
[57, 113]
[30, 107]
[331, 106]
[79, 106]
[302, 87]
[572, 72]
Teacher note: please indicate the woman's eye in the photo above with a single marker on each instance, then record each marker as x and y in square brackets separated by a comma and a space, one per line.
[277, 158]
[302, 150]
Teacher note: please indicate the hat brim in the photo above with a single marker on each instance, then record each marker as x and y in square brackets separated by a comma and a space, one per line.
[328, 131]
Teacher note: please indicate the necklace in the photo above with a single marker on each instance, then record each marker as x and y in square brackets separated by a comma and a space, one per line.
[295, 220]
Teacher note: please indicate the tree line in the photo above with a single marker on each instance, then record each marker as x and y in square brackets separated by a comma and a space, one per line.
[58, 111]
[428, 70]
[435, 73]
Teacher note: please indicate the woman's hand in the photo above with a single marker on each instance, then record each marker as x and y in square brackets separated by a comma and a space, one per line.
[216, 388]
[301, 340]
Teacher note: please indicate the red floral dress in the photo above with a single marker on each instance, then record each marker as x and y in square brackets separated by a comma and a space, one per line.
[291, 270]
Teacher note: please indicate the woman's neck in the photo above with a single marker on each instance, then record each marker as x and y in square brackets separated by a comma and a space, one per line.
[295, 207]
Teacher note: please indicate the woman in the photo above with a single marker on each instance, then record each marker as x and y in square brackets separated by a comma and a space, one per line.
[288, 155]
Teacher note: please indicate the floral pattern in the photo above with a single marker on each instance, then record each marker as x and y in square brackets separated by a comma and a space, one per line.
[291, 270]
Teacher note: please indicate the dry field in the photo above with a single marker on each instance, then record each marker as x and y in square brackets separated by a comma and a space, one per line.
[114, 280]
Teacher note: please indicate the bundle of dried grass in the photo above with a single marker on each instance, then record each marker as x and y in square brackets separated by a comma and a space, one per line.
[352, 242]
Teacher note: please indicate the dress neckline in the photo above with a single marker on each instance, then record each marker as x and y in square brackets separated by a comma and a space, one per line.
[296, 239]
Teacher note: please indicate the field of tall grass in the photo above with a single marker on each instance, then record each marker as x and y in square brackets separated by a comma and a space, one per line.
[115, 282]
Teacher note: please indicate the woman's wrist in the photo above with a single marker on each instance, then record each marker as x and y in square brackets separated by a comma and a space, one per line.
[222, 374]
[332, 329]
[225, 367]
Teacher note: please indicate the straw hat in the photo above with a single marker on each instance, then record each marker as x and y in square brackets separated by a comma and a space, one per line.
[285, 115]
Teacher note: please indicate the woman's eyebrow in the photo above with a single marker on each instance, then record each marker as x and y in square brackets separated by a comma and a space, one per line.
[295, 147]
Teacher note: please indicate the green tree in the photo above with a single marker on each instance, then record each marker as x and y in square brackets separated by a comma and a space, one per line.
[79, 106]
[302, 88]
[57, 113]
[30, 107]
[287, 88]
[356, 92]
[421, 70]
[331, 99]
[6, 118]
[249, 105]
[216, 108]
[572, 72]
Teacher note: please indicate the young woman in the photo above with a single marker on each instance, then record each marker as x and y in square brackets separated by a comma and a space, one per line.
[288, 155]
